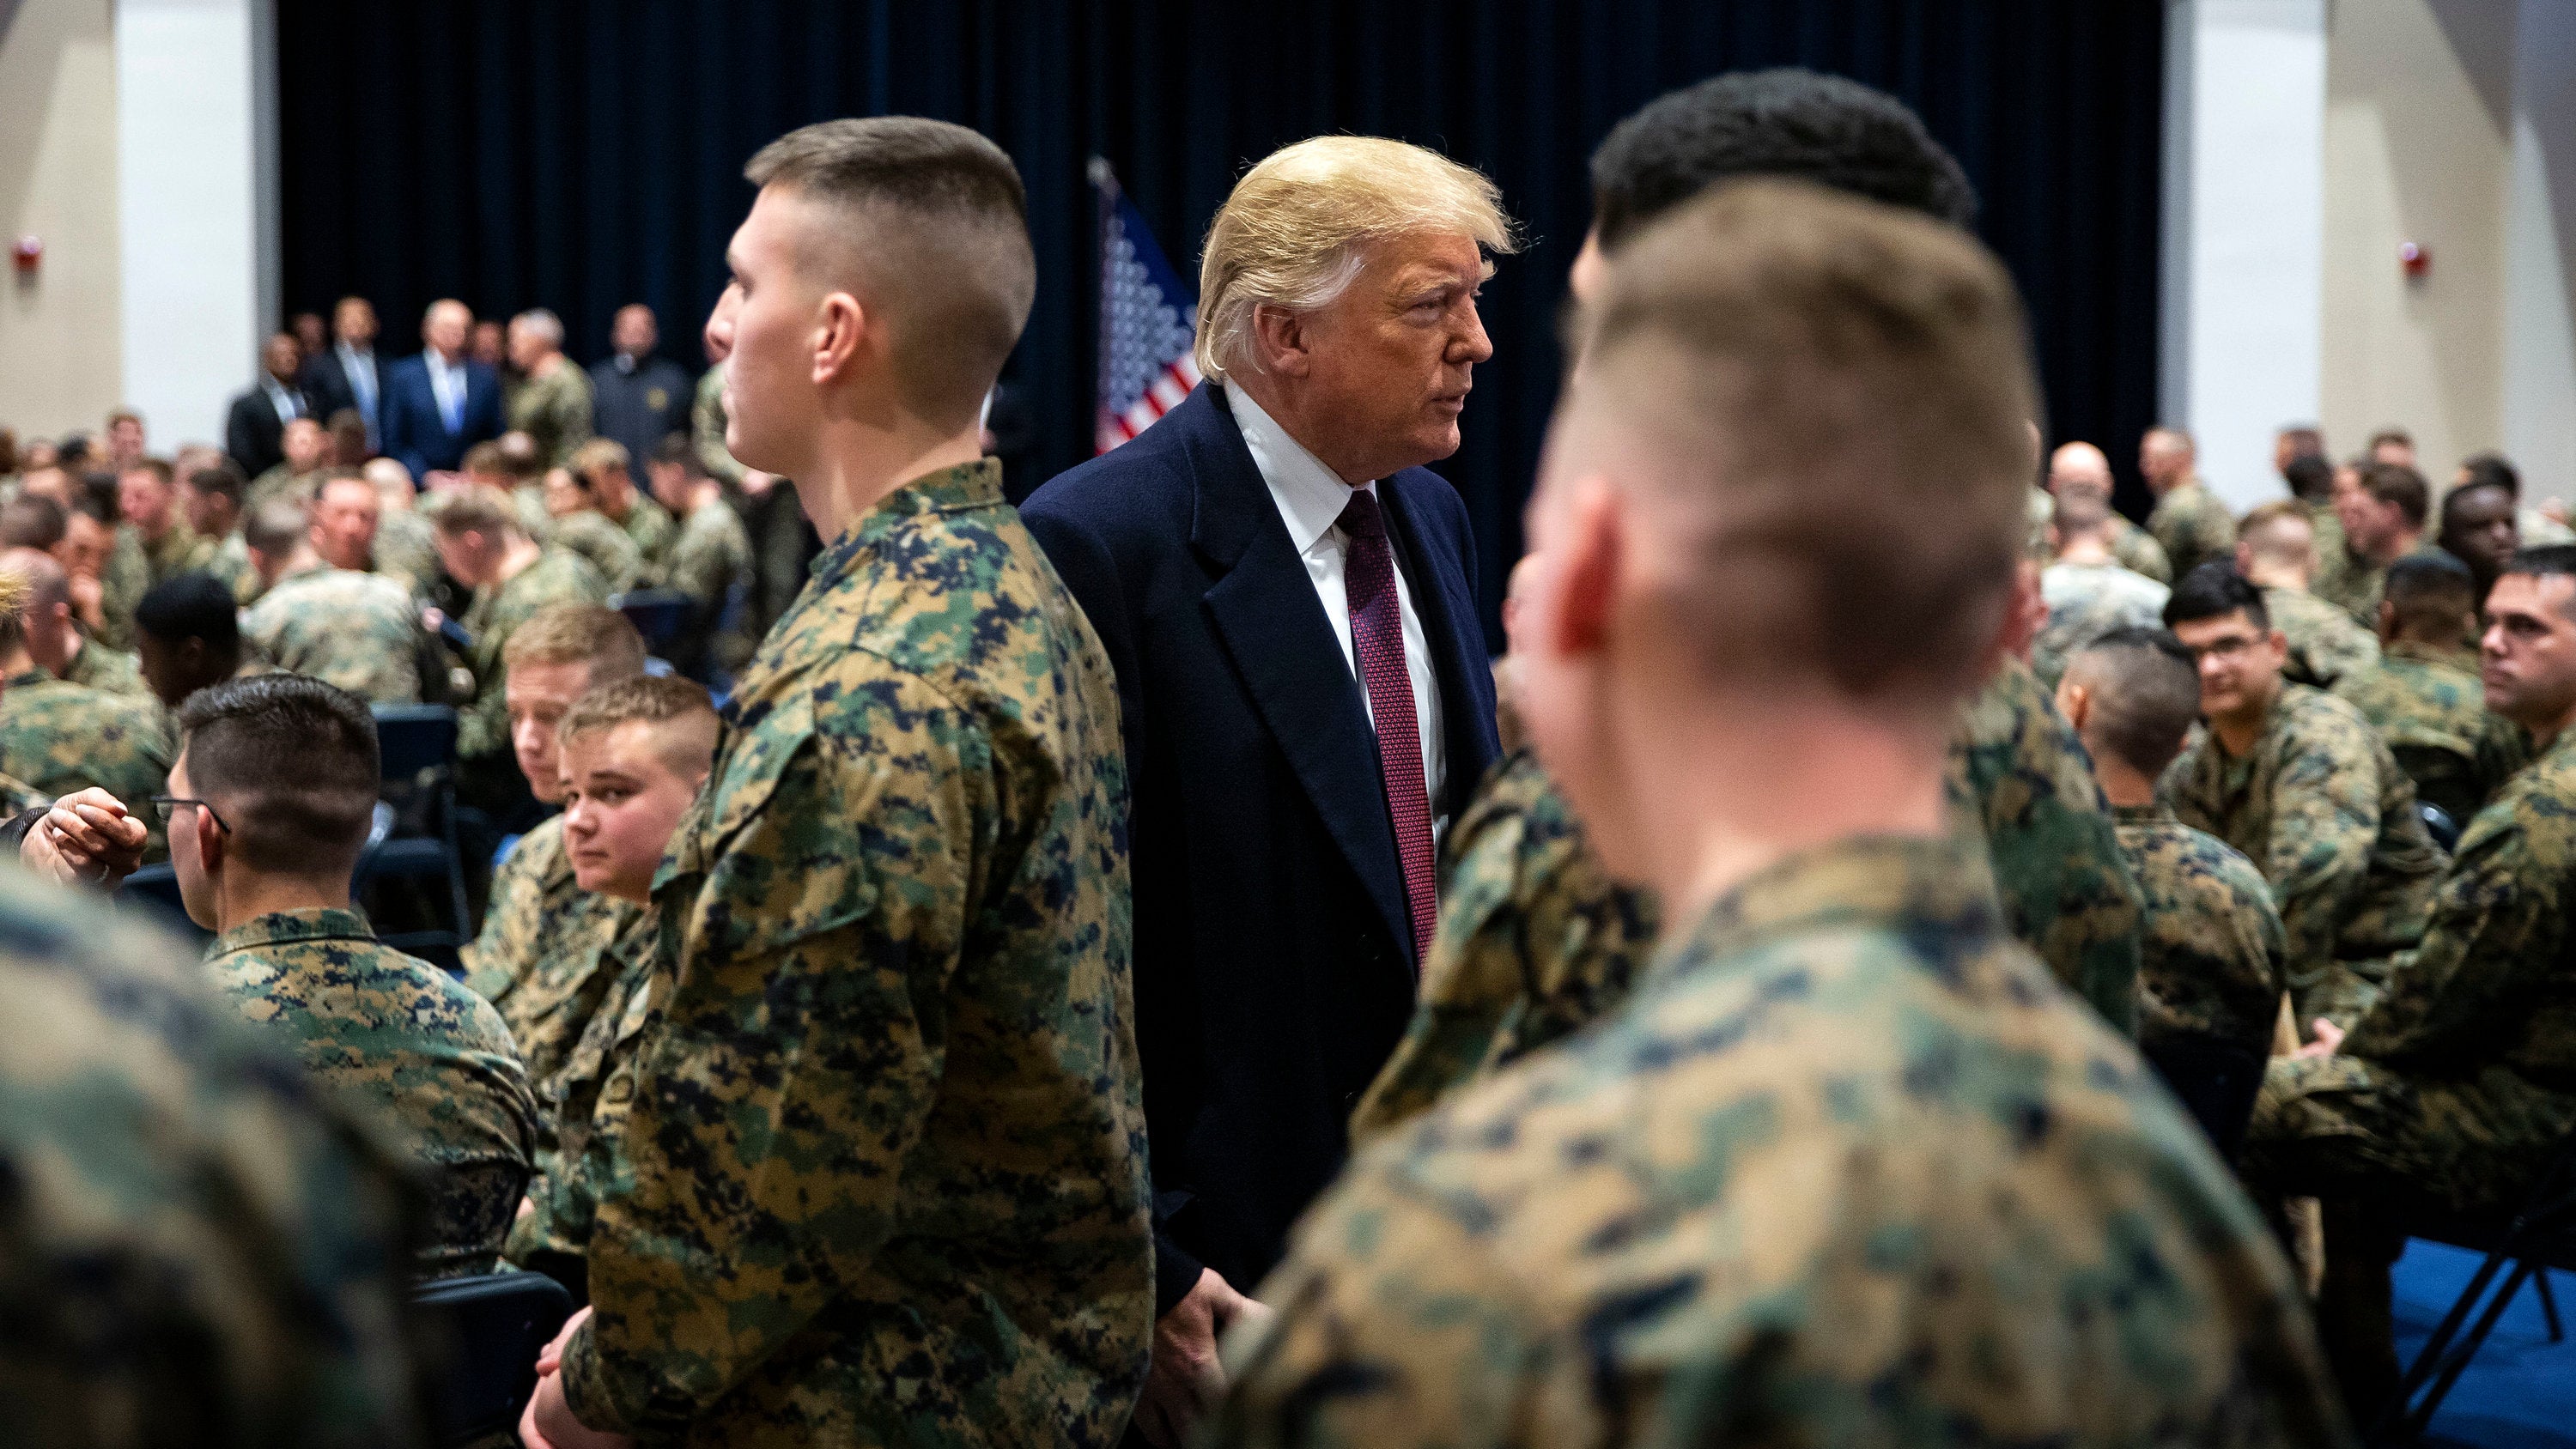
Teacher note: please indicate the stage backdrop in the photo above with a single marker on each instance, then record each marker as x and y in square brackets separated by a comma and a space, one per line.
[519, 153]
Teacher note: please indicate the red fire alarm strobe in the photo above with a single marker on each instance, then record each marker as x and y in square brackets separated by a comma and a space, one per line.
[2413, 260]
[26, 252]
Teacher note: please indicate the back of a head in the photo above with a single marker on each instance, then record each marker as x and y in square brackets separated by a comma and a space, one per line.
[2303, 440]
[598, 456]
[476, 509]
[2280, 532]
[274, 528]
[191, 606]
[2310, 476]
[240, 737]
[2432, 595]
[47, 584]
[219, 479]
[588, 634]
[2490, 470]
[1829, 401]
[2145, 692]
[31, 520]
[2080, 505]
[936, 240]
[2401, 488]
[688, 746]
[2213, 591]
[1789, 123]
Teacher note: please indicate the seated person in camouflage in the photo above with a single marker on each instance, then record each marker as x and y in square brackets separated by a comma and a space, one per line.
[545, 395]
[2458, 1085]
[264, 850]
[537, 958]
[710, 558]
[406, 549]
[509, 463]
[213, 498]
[2297, 780]
[2532, 526]
[579, 527]
[108, 570]
[2479, 528]
[2087, 591]
[190, 635]
[607, 480]
[634, 754]
[2382, 507]
[147, 498]
[2424, 697]
[2209, 966]
[57, 737]
[197, 1249]
[483, 548]
[54, 639]
[2276, 552]
[328, 618]
[308, 452]
[2188, 522]
[2132, 547]
[1847, 1166]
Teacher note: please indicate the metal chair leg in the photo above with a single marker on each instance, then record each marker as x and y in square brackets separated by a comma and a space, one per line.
[2549, 1306]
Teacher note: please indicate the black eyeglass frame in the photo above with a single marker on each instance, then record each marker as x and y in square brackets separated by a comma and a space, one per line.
[164, 805]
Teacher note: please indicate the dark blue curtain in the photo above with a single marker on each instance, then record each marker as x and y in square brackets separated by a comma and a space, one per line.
[580, 154]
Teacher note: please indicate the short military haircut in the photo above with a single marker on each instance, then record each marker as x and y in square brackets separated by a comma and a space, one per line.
[2213, 591]
[219, 480]
[540, 323]
[2280, 530]
[2145, 693]
[2310, 476]
[189, 606]
[2430, 593]
[2454, 500]
[2305, 441]
[95, 498]
[2490, 470]
[159, 468]
[2401, 488]
[680, 450]
[1788, 122]
[2545, 561]
[276, 527]
[476, 509]
[290, 763]
[599, 455]
[14, 594]
[31, 520]
[1837, 397]
[589, 634]
[2399, 436]
[935, 234]
[687, 747]
[488, 458]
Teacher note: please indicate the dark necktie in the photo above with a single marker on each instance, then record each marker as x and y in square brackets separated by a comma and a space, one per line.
[1377, 640]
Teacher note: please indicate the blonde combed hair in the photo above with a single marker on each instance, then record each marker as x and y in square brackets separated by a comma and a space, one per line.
[1291, 233]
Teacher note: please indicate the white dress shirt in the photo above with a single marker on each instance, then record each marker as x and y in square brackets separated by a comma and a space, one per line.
[281, 400]
[447, 384]
[1310, 498]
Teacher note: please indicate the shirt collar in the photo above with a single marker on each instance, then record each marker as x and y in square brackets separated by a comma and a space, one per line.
[961, 489]
[286, 928]
[2154, 812]
[1310, 496]
[1896, 881]
[626, 364]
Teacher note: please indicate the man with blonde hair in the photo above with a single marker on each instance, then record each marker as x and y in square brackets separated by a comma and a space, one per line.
[1287, 596]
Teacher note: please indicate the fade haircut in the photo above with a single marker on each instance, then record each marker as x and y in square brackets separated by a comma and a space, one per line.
[589, 634]
[2546, 561]
[2491, 470]
[2145, 693]
[1805, 368]
[2401, 488]
[688, 747]
[1786, 122]
[219, 480]
[2213, 591]
[934, 225]
[276, 527]
[192, 606]
[239, 736]
[2431, 594]
[2305, 441]
[2310, 476]
[479, 508]
[2452, 500]
[2280, 530]
[1295, 230]
[32, 520]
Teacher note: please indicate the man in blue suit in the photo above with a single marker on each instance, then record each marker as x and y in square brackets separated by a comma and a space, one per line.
[1286, 595]
[440, 403]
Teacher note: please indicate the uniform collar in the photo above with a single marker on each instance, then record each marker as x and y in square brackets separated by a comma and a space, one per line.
[2155, 812]
[288, 928]
[1893, 881]
[961, 489]
[2423, 653]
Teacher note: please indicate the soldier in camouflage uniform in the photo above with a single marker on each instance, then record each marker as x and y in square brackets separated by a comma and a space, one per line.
[2424, 697]
[1812, 1182]
[355, 630]
[2276, 550]
[2296, 779]
[2188, 522]
[2454, 1089]
[548, 398]
[198, 1250]
[2131, 547]
[711, 559]
[55, 643]
[2383, 507]
[481, 546]
[107, 565]
[147, 498]
[2087, 592]
[406, 548]
[59, 737]
[593, 1089]
[428, 1059]
[578, 527]
[915, 832]
[308, 456]
[606, 477]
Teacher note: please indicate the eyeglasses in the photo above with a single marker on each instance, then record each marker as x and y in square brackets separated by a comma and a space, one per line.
[167, 806]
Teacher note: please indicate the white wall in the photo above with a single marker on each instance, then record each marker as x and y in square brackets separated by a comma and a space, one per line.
[59, 345]
[197, 205]
[2540, 255]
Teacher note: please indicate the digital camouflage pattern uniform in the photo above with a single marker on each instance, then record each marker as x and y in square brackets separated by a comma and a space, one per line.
[2430, 708]
[711, 559]
[2210, 963]
[2020, 782]
[17, 797]
[407, 549]
[60, 737]
[123, 579]
[2192, 527]
[196, 1250]
[1534, 943]
[2085, 602]
[887, 1144]
[557, 577]
[553, 409]
[2329, 819]
[228, 560]
[592, 1090]
[2326, 646]
[428, 1058]
[601, 544]
[111, 670]
[358, 631]
[281, 481]
[654, 534]
[1847, 1168]
[2349, 582]
[172, 555]
[2138, 552]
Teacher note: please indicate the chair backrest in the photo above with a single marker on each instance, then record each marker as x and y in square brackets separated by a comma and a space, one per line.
[657, 614]
[154, 890]
[481, 1336]
[2215, 1078]
[414, 738]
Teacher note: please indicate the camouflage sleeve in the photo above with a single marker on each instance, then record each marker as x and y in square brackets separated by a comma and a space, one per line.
[2325, 821]
[707, 430]
[493, 957]
[2494, 921]
[2501, 749]
[797, 1056]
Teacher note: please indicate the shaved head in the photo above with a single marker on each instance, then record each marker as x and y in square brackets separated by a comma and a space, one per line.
[2145, 693]
[2080, 462]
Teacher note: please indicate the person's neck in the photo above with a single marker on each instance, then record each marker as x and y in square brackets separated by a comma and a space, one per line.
[520, 556]
[862, 460]
[2122, 784]
[1289, 407]
[2396, 546]
[16, 662]
[2271, 574]
[544, 365]
[2237, 733]
[305, 559]
[73, 644]
[242, 897]
[446, 358]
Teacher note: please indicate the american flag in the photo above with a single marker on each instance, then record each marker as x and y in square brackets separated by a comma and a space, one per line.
[1147, 322]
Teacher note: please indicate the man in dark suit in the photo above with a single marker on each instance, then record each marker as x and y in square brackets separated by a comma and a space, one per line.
[637, 398]
[256, 426]
[346, 374]
[1286, 596]
[441, 402]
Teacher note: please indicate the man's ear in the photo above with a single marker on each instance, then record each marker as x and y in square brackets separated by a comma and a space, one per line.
[211, 839]
[1281, 340]
[840, 330]
[2076, 703]
[2245, 559]
[1587, 569]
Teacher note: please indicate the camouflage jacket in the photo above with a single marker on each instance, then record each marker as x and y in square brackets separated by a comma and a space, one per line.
[2020, 781]
[123, 580]
[173, 555]
[540, 962]
[2329, 819]
[358, 631]
[111, 670]
[711, 563]
[483, 730]
[589, 1097]
[407, 550]
[2192, 527]
[1534, 943]
[1847, 1168]
[2086, 602]
[887, 1143]
[2430, 709]
[2132, 547]
[2211, 961]
[196, 1249]
[17, 797]
[278, 482]
[553, 410]
[603, 544]
[2349, 582]
[425, 1056]
[2326, 646]
[59, 737]
[707, 429]
[227, 559]
[650, 527]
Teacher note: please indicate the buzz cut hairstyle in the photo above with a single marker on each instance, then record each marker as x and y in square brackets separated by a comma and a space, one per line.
[2145, 694]
[32, 520]
[276, 526]
[1806, 368]
[2546, 561]
[291, 763]
[2473, 486]
[665, 699]
[2431, 592]
[599, 455]
[2491, 470]
[220, 479]
[2401, 488]
[2263, 528]
[932, 220]
[191, 605]
[476, 508]
[2215, 590]
[159, 468]
[2399, 436]
[587, 634]
[2310, 476]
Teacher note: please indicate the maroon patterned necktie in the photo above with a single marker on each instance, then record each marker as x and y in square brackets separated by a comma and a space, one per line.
[1377, 639]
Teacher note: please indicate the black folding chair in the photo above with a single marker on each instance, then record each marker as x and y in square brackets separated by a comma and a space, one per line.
[2539, 1237]
[154, 891]
[415, 833]
[484, 1334]
[660, 615]
[2216, 1079]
